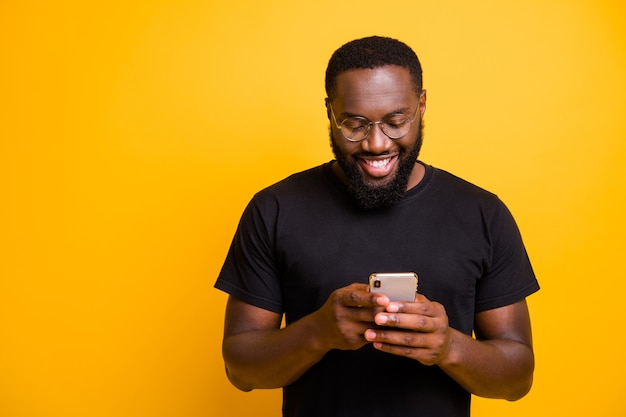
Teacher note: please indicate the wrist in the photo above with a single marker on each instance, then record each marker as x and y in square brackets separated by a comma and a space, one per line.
[451, 354]
[313, 331]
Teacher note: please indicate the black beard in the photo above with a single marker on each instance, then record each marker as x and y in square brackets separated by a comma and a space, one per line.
[371, 197]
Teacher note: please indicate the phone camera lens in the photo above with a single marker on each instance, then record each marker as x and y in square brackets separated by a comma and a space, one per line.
[377, 284]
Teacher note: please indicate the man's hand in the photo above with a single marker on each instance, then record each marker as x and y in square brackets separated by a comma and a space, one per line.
[258, 353]
[417, 330]
[347, 314]
[498, 364]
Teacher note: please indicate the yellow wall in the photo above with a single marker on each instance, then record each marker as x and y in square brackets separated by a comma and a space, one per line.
[132, 134]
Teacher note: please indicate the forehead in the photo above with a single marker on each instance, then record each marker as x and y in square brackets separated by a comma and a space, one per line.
[387, 88]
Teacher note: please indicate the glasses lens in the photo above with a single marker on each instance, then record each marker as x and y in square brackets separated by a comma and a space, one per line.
[355, 128]
[396, 129]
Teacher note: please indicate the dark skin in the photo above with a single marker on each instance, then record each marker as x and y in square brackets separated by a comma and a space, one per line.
[498, 364]
[258, 353]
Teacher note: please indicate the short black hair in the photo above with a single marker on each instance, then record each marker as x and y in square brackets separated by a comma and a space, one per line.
[372, 52]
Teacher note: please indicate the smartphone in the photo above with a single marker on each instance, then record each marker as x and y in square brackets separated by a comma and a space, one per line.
[398, 286]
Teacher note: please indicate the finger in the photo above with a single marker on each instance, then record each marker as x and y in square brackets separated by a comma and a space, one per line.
[408, 351]
[421, 306]
[421, 298]
[424, 355]
[396, 339]
[357, 295]
[420, 346]
[417, 322]
[361, 314]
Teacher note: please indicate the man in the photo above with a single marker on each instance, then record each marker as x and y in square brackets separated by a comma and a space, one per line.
[306, 246]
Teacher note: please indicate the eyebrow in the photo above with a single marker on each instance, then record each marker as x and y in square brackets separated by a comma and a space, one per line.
[404, 111]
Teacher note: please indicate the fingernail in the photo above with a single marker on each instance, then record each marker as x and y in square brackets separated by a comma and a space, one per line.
[383, 301]
[381, 319]
[370, 334]
[393, 308]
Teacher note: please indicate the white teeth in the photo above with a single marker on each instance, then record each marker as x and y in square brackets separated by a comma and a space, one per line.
[379, 163]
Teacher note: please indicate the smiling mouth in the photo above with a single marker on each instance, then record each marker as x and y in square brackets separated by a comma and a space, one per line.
[378, 168]
[378, 163]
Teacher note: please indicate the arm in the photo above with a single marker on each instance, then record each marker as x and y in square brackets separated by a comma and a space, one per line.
[499, 363]
[259, 354]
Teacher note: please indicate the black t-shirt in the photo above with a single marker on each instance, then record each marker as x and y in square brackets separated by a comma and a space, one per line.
[303, 238]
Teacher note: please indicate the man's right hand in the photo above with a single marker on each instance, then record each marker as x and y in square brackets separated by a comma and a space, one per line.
[347, 313]
[259, 354]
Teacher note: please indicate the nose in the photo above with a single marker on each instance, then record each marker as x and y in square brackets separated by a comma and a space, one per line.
[376, 141]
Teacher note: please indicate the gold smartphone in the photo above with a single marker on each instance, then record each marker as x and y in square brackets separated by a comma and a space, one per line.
[398, 286]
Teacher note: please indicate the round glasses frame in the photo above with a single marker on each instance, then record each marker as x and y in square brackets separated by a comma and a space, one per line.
[364, 126]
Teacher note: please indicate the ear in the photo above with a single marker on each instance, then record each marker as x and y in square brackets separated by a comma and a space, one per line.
[327, 104]
[422, 102]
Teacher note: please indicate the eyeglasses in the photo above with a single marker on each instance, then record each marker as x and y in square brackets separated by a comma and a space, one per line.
[356, 128]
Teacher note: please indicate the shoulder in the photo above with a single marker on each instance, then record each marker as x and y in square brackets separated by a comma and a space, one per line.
[441, 187]
[300, 190]
[307, 177]
[466, 199]
[451, 183]
[299, 185]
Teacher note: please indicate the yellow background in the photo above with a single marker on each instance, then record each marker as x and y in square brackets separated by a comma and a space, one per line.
[133, 133]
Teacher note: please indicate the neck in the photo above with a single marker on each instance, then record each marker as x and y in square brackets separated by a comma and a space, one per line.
[416, 175]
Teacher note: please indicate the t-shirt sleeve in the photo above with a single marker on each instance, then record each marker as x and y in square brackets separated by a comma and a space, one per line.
[249, 272]
[509, 276]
